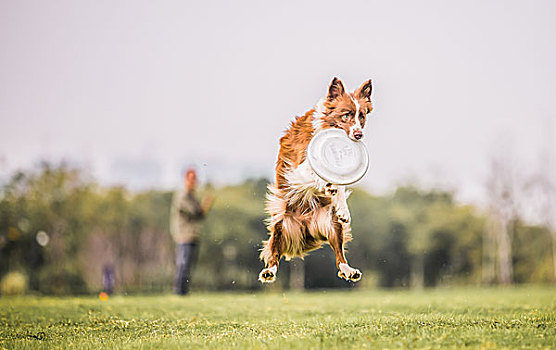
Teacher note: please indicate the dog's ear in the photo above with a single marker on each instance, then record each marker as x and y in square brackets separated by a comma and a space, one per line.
[364, 92]
[336, 89]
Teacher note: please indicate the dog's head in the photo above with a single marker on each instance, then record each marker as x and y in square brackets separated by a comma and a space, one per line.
[347, 111]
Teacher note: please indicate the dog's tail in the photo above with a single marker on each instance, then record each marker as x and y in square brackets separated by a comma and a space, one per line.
[291, 239]
[275, 206]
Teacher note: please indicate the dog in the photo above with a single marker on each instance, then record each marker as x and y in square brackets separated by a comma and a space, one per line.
[305, 211]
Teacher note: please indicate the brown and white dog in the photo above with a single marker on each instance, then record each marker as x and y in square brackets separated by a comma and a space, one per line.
[306, 211]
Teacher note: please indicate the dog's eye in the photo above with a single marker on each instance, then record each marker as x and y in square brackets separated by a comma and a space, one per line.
[361, 116]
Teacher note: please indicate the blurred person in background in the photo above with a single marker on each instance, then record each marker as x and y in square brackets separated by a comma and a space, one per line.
[186, 216]
[108, 278]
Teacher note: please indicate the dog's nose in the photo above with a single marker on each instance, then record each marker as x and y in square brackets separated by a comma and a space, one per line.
[358, 134]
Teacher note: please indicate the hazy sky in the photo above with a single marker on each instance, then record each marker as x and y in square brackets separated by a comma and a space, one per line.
[136, 89]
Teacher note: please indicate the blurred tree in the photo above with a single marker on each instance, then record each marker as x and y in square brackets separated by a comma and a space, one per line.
[412, 237]
[394, 259]
[52, 201]
[542, 189]
[503, 190]
[532, 258]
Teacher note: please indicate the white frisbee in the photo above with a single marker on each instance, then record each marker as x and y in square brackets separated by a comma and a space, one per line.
[337, 159]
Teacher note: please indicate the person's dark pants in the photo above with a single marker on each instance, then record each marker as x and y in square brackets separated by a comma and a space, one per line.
[185, 259]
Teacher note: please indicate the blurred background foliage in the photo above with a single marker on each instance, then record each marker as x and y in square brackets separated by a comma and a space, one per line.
[59, 230]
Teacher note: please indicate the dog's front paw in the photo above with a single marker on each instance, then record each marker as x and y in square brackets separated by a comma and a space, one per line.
[268, 275]
[330, 189]
[349, 273]
[343, 214]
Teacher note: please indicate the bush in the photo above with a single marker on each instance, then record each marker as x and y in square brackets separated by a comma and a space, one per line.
[14, 283]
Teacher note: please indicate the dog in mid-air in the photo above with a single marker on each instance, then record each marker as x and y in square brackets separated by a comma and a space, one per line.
[306, 211]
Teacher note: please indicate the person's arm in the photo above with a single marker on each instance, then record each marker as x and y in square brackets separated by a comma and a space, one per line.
[206, 204]
[191, 210]
[193, 215]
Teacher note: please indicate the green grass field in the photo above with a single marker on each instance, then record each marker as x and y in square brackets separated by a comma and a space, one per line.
[441, 318]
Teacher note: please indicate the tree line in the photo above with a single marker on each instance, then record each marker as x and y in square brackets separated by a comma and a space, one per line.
[61, 229]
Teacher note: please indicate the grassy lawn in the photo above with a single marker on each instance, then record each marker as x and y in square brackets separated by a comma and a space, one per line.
[442, 318]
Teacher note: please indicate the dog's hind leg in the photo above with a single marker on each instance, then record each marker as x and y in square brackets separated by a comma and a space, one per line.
[271, 254]
[336, 241]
